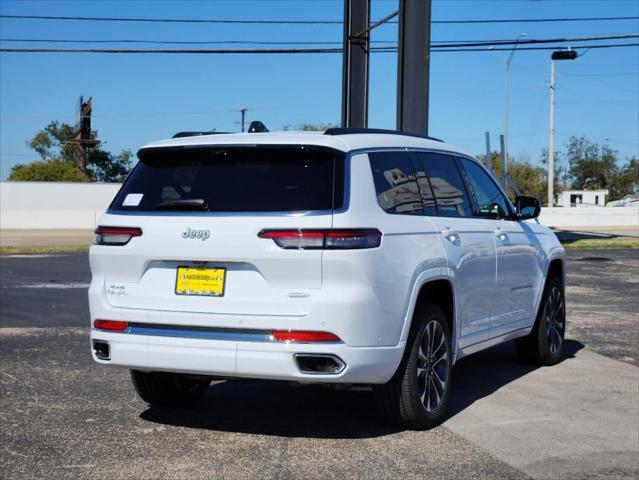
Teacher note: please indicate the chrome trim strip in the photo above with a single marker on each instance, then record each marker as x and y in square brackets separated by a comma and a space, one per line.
[208, 334]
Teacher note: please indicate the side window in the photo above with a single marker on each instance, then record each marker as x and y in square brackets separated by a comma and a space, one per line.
[491, 202]
[447, 184]
[395, 183]
[428, 199]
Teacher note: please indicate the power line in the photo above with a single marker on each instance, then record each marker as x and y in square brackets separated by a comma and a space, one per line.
[301, 22]
[439, 43]
[281, 50]
[531, 41]
[556, 47]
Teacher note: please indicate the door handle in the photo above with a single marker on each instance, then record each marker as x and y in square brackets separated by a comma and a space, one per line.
[500, 233]
[450, 234]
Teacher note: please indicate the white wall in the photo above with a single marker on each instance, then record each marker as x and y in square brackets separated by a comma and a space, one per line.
[36, 205]
[590, 217]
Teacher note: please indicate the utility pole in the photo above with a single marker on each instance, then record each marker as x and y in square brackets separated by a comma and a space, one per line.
[82, 139]
[556, 55]
[243, 113]
[413, 66]
[506, 97]
[551, 140]
[504, 166]
[489, 155]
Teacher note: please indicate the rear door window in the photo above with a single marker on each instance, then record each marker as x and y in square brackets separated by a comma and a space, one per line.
[396, 183]
[447, 184]
[236, 179]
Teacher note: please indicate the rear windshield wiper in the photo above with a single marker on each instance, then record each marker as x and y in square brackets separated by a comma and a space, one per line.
[184, 204]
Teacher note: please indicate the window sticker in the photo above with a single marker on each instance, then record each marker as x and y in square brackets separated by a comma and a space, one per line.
[132, 200]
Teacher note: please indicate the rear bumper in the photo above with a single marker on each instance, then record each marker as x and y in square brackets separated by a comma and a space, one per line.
[265, 360]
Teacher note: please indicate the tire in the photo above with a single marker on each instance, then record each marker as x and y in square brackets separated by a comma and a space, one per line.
[417, 396]
[543, 346]
[169, 389]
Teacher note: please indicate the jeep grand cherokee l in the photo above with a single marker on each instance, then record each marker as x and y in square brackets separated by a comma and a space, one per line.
[353, 257]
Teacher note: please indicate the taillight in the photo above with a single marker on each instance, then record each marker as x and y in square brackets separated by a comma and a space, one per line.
[111, 325]
[352, 238]
[303, 336]
[115, 235]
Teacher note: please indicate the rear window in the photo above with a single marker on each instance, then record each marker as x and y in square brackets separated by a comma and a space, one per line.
[264, 179]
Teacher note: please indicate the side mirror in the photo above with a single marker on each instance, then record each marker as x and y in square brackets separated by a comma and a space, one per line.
[527, 207]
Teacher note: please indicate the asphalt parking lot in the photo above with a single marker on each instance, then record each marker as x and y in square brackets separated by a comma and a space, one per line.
[62, 416]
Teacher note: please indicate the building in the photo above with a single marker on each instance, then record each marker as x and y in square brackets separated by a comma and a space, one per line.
[631, 200]
[582, 198]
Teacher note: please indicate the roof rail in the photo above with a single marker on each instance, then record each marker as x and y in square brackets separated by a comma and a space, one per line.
[196, 134]
[353, 131]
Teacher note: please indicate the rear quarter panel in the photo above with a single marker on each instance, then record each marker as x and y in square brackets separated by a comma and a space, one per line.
[410, 253]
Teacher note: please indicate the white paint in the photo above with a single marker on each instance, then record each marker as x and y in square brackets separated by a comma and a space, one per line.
[366, 298]
[44, 205]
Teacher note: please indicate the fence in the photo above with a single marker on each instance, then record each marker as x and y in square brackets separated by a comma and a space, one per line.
[44, 205]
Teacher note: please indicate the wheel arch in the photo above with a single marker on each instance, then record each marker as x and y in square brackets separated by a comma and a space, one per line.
[556, 267]
[438, 289]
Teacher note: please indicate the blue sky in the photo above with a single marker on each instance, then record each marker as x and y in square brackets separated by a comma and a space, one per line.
[141, 98]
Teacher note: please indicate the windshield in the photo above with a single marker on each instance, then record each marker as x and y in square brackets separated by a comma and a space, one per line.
[235, 179]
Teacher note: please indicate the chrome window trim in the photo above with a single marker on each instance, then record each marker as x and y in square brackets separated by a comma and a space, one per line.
[431, 150]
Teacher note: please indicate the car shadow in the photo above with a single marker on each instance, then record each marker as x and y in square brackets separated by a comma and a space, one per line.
[311, 411]
[568, 236]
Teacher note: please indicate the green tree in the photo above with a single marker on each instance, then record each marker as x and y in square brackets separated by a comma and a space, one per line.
[591, 166]
[60, 158]
[530, 180]
[47, 171]
[627, 181]
[310, 127]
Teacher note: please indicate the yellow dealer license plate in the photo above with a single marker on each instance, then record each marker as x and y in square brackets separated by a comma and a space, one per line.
[200, 281]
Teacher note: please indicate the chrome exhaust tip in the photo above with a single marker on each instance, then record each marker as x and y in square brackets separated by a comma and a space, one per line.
[319, 363]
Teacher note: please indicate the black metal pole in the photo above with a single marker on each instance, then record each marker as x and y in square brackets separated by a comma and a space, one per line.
[357, 15]
[413, 66]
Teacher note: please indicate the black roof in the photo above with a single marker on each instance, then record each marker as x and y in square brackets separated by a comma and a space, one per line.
[354, 131]
[196, 134]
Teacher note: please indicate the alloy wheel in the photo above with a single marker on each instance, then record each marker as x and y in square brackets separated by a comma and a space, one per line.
[433, 364]
[555, 319]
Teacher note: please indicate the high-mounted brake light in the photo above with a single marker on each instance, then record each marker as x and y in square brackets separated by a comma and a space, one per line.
[115, 235]
[304, 336]
[352, 238]
[111, 325]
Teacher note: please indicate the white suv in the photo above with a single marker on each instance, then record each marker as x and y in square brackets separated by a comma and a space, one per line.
[349, 256]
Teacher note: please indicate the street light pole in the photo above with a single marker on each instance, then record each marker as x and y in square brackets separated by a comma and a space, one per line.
[556, 55]
[551, 140]
[504, 174]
